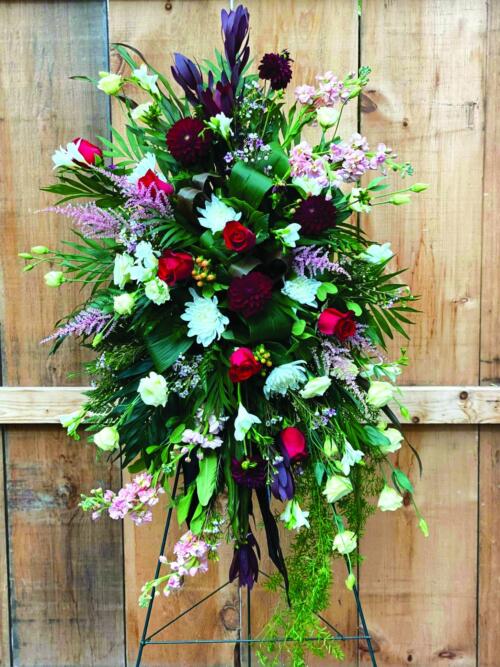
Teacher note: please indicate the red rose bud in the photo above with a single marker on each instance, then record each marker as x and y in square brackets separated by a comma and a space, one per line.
[151, 180]
[88, 151]
[174, 266]
[237, 237]
[243, 365]
[335, 322]
[293, 442]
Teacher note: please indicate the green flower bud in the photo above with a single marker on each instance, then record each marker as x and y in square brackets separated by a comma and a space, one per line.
[29, 267]
[422, 524]
[54, 278]
[25, 255]
[399, 200]
[40, 250]
[350, 582]
[97, 339]
[419, 187]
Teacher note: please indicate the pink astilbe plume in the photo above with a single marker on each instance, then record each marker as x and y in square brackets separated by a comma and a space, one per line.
[311, 260]
[91, 220]
[87, 322]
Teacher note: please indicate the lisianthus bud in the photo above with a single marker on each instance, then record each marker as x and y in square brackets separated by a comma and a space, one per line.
[54, 278]
[419, 187]
[399, 200]
[389, 500]
[350, 582]
[107, 439]
[97, 339]
[379, 394]
[123, 304]
[110, 83]
[345, 542]
[25, 255]
[327, 117]
[337, 487]
[40, 250]
[422, 524]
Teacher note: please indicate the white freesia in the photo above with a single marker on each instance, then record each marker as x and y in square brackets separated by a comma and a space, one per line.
[302, 289]
[72, 421]
[148, 163]
[205, 321]
[350, 458]
[107, 439]
[153, 390]
[221, 124]
[157, 291]
[123, 304]
[216, 215]
[293, 517]
[336, 488]
[145, 80]
[141, 111]
[145, 263]
[288, 235]
[327, 117]
[345, 542]
[69, 156]
[316, 387]
[389, 500]
[54, 278]
[308, 184]
[121, 271]
[285, 377]
[376, 254]
[379, 394]
[110, 83]
[359, 200]
[244, 422]
[395, 437]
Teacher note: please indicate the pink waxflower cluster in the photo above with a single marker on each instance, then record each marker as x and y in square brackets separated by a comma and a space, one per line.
[328, 92]
[133, 500]
[345, 162]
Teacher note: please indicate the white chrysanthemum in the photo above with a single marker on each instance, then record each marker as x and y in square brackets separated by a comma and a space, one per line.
[216, 215]
[145, 80]
[302, 289]
[205, 321]
[285, 377]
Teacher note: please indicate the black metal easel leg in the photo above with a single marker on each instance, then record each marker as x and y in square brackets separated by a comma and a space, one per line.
[362, 620]
[142, 642]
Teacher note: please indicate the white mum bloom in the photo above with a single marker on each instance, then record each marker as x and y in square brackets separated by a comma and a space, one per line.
[205, 321]
[302, 289]
[216, 215]
[145, 80]
[285, 377]
[244, 422]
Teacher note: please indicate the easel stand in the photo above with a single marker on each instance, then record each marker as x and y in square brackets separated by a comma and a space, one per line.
[151, 639]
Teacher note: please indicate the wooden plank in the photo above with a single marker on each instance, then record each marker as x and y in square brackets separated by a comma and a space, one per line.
[489, 553]
[193, 27]
[425, 99]
[427, 405]
[4, 590]
[65, 573]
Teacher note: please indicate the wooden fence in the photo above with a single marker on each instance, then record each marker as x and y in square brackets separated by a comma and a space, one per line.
[68, 588]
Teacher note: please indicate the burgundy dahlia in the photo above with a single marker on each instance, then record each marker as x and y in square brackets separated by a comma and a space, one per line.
[276, 67]
[249, 294]
[249, 472]
[315, 214]
[188, 140]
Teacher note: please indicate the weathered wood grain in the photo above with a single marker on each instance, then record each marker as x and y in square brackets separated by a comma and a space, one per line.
[4, 578]
[425, 99]
[65, 573]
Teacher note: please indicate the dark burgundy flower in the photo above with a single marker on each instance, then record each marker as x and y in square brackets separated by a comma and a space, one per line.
[245, 563]
[249, 294]
[315, 214]
[282, 486]
[276, 67]
[188, 140]
[249, 472]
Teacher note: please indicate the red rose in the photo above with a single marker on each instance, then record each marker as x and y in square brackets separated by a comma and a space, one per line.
[243, 365]
[174, 266]
[150, 179]
[88, 151]
[237, 237]
[293, 442]
[335, 322]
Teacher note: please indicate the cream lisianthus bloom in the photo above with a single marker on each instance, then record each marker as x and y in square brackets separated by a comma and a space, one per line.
[395, 437]
[379, 394]
[54, 278]
[153, 390]
[216, 215]
[110, 83]
[327, 117]
[345, 542]
[244, 422]
[293, 517]
[123, 304]
[107, 439]
[157, 291]
[205, 320]
[316, 387]
[389, 500]
[122, 268]
[337, 487]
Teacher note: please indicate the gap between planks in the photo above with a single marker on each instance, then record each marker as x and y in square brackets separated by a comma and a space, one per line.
[426, 404]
